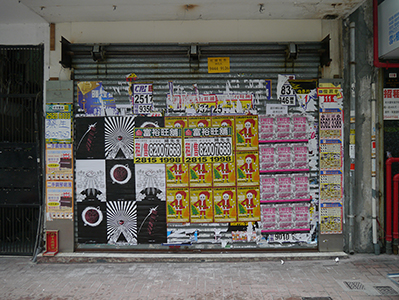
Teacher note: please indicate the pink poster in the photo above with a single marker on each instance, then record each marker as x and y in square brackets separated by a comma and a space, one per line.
[286, 217]
[266, 128]
[300, 128]
[267, 189]
[268, 218]
[300, 157]
[284, 190]
[283, 157]
[283, 128]
[301, 217]
[301, 187]
[267, 157]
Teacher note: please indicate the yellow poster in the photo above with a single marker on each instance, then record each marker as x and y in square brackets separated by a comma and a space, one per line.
[200, 175]
[247, 133]
[247, 168]
[218, 64]
[176, 175]
[225, 202]
[201, 205]
[248, 204]
[199, 121]
[59, 199]
[178, 205]
[224, 174]
[225, 121]
[177, 122]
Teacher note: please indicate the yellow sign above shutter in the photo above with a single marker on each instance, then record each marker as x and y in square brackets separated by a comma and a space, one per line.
[218, 64]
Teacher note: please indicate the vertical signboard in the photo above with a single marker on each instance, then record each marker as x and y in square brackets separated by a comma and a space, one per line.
[331, 158]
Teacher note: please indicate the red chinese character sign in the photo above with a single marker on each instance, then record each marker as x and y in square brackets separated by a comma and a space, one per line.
[391, 104]
[157, 145]
[208, 144]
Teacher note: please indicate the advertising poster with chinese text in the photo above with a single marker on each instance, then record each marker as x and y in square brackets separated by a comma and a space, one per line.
[141, 97]
[208, 145]
[331, 217]
[391, 104]
[93, 100]
[225, 121]
[59, 199]
[331, 158]
[59, 162]
[58, 124]
[158, 145]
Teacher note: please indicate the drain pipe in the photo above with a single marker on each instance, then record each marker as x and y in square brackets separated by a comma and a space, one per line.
[374, 172]
[352, 71]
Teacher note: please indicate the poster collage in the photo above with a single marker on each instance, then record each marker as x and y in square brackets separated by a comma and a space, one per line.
[331, 157]
[59, 161]
[209, 170]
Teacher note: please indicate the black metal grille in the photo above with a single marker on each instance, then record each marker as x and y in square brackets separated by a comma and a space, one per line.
[18, 229]
[21, 85]
[354, 285]
[21, 114]
[386, 290]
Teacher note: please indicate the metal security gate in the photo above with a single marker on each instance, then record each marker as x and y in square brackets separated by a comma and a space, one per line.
[21, 86]
[187, 67]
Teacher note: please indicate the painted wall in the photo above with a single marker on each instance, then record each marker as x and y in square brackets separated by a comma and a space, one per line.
[365, 75]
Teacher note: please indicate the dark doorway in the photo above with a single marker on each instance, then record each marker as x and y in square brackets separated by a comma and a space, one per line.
[21, 110]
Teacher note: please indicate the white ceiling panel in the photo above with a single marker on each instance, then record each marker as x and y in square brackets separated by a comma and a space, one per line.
[13, 11]
[58, 11]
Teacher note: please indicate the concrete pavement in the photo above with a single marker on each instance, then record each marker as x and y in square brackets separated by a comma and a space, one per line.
[361, 276]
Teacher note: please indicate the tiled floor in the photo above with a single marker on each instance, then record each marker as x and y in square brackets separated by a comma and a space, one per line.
[318, 279]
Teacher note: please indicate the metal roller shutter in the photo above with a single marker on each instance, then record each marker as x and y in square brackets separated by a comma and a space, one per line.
[250, 64]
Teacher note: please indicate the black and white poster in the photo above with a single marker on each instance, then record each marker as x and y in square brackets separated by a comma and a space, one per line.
[89, 138]
[122, 222]
[120, 179]
[118, 137]
[151, 203]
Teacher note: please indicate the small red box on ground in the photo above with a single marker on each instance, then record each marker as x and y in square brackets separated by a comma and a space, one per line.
[51, 243]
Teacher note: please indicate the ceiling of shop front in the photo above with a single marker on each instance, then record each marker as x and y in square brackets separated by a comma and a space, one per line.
[58, 11]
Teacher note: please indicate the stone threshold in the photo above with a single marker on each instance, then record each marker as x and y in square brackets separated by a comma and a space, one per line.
[107, 257]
